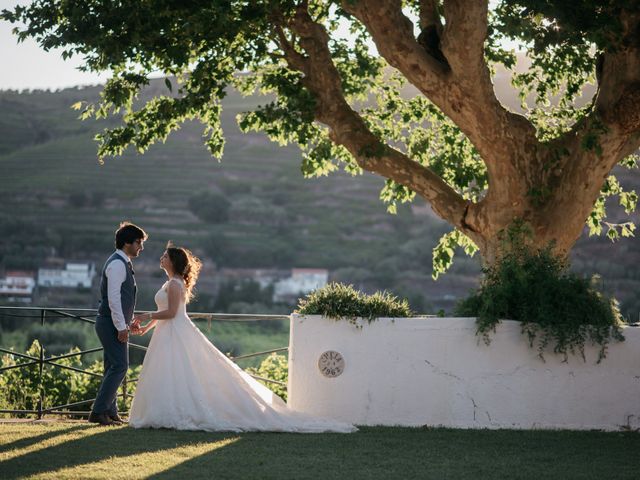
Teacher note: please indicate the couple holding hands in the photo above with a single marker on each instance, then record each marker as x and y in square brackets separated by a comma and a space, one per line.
[186, 383]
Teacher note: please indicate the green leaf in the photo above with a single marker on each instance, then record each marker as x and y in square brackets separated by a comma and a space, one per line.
[444, 252]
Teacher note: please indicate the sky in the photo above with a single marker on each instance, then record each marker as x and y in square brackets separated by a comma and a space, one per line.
[26, 66]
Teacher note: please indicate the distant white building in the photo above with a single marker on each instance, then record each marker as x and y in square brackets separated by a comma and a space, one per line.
[301, 281]
[74, 275]
[18, 286]
[263, 276]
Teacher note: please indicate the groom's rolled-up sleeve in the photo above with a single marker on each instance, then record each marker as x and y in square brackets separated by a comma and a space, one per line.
[116, 275]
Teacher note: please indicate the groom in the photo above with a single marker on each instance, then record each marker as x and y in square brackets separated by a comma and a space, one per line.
[118, 300]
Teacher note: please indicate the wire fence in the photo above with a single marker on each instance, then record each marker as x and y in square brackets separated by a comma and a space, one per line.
[42, 314]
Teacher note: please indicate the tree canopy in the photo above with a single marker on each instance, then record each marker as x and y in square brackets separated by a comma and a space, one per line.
[345, 103]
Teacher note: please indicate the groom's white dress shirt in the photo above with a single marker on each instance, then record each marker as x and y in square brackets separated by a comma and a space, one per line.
[116, 274]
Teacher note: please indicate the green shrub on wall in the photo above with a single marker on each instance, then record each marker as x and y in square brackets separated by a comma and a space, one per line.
[557, 308]
[339, 301]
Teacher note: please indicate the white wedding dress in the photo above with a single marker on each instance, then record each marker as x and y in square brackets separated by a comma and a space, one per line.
[186, 383]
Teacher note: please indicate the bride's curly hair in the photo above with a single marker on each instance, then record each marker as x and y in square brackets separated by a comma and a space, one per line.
[185, 264]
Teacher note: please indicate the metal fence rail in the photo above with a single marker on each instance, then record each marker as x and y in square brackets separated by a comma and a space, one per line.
[81, 315]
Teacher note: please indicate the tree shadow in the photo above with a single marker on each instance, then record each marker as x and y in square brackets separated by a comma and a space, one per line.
[412, 453]
[370, 453]
[27, 442]
[271, 455]
[103, 444]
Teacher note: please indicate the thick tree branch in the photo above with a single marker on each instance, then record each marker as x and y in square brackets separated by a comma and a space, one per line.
[292, 56]
[392, 32]
[347, 127]
[295, 58]
[431, 30]
[461, 87]
[429, 16]
[598, 142]
[463, 40]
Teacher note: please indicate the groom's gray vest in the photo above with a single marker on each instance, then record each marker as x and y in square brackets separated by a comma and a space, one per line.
[127, 291]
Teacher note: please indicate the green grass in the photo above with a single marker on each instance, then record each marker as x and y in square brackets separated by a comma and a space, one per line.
[75, 450]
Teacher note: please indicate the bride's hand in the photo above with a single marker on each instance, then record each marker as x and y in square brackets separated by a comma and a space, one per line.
[141, 317]
[143, 330]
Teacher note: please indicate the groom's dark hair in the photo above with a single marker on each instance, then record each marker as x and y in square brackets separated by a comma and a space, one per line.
[128, 233]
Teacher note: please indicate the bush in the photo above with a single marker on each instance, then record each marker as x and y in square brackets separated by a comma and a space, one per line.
[554, 306]
[210, 207]
[20, 387]
[229, 347]
[339, 301]
[274, 367]
[78, 199]
[57, 338]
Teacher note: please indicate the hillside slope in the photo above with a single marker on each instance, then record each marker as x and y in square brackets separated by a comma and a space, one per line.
[57, 199]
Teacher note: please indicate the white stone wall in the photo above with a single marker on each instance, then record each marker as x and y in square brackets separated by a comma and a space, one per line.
[437, 372]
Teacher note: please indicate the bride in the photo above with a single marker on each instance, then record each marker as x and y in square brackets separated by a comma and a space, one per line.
[186, 383]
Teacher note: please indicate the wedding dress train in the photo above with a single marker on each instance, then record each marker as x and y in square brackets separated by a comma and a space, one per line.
[186, 383]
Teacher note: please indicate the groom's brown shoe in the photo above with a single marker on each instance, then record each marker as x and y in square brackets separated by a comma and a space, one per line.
[117, 419]
[101, 419]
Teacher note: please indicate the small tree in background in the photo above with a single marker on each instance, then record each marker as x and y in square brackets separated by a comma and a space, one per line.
[210, 207]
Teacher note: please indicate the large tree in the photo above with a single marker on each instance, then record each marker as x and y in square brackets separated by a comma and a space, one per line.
[448, 139]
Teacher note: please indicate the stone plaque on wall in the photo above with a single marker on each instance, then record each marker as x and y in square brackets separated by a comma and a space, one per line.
[331, 363]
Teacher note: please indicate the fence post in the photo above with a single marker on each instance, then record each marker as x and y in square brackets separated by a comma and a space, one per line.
[41, 368]
[124, 391]
[124, 382]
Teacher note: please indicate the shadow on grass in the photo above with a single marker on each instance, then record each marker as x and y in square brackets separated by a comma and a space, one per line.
[27, 442]
[369, 453]
[418, 453]
[95, 447]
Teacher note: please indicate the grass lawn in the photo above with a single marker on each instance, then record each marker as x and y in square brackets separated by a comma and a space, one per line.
[60, 450]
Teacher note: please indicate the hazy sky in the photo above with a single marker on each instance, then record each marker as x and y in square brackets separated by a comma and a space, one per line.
[26, 66]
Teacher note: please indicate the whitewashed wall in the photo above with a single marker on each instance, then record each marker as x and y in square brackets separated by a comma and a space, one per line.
[434, 371]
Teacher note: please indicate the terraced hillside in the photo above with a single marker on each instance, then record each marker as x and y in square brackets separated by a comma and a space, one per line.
[56, 200]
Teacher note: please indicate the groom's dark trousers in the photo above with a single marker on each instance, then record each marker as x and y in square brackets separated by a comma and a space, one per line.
[116, 363]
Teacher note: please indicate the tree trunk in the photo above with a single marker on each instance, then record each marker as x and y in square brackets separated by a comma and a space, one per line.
[552, 205]
[536, 231]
